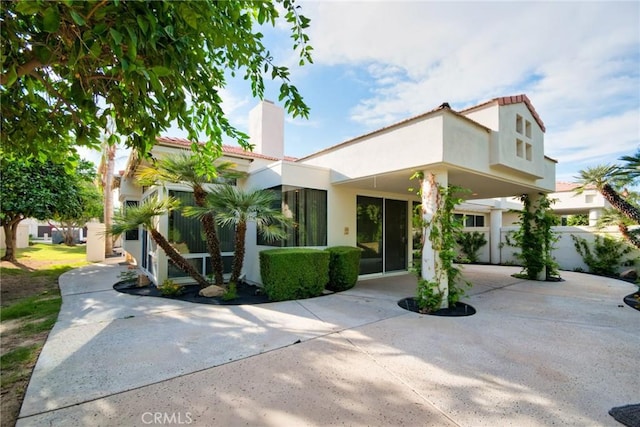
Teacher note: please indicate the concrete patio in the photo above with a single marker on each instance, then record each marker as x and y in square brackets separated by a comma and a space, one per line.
[535, 354]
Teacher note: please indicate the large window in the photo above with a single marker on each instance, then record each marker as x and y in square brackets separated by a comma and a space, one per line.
[187, 236]
[307, 208]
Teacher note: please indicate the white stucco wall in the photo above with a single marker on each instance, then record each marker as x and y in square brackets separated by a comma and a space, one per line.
[404, 146]
[564, 251]
[571, 202]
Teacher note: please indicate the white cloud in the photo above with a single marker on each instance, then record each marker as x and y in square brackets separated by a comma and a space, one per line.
[576, 61]
[596, 140]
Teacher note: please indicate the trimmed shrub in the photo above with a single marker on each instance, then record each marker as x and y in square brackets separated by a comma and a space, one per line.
[294, 273]
[344, 265]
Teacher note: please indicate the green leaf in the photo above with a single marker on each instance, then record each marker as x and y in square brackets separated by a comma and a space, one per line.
[189, 16]
[142, 23]
[115, 35]
[161, 71]
[77, 18]
[12, 76]
[51, 20]
[100, 28]
[28, 7]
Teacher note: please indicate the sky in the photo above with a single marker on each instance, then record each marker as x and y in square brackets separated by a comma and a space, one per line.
[378, 62]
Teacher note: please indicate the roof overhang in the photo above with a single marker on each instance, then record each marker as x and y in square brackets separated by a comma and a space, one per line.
[480, 186]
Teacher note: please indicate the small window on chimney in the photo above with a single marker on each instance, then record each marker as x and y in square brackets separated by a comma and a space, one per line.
[588, 198]
[527, 128]
[529, 151]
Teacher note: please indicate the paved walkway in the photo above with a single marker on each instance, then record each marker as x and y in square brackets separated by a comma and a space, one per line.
[535, 354]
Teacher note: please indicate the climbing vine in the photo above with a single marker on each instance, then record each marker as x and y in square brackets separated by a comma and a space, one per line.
[443, 228]
[535, 238]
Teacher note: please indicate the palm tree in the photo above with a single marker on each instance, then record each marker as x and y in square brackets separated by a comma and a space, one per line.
[234, 207]
[605, 178]
[184, 168]
[615, 218]
[143, 215]
[632, 168]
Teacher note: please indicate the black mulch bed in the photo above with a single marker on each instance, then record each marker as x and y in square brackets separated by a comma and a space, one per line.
[633, 301]
[628, 415]
[459, 309]
[247, 294]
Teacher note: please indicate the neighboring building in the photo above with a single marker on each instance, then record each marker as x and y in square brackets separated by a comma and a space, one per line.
[590, 202]
[357, 193]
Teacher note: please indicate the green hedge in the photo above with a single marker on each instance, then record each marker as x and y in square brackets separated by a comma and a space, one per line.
[294, 273]
[344, 266]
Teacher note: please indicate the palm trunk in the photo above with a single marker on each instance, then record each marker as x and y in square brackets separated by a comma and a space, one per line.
[178, 259]
[238, 258]
[108, 196]
[629, 236]
[211, 236]
[626, 208]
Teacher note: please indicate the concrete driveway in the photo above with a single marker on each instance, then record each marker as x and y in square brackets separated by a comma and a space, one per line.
[535, 354]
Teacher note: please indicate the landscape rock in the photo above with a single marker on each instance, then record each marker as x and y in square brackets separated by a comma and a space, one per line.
[630, 274]
[211, 291]
[143, 281]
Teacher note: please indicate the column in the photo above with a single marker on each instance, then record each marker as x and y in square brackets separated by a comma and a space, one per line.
[96, 233]
[495, 224]
[431, 268]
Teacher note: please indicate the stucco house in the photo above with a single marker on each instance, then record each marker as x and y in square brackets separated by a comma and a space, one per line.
[357, 192]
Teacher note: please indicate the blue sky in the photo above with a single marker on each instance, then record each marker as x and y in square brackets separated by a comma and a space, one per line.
[379, 62]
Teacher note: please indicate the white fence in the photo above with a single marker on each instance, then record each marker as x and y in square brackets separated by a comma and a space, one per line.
[564, 250]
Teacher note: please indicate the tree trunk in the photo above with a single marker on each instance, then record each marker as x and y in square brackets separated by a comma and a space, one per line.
[238, 256]
[107, 181]
[629, 236]
[178, 259]
[67, 234]
[211, 236]
[620, 204]
[10, 239]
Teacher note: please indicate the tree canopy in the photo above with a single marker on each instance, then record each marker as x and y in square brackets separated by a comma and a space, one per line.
[69, 68]
[37, 190]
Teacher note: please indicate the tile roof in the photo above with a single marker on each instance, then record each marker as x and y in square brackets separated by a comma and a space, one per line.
[570, 186]
[226, 149]
[508, 100]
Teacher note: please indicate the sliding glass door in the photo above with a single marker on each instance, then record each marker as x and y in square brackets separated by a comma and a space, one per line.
[382, 234]
[395, 235]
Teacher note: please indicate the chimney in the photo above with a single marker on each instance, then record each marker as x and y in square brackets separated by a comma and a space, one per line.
[266, 129]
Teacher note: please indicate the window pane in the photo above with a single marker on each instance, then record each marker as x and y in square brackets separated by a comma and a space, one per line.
[479, 220]
[468, 220]
[187, 233]
[131, 234]
[176, 272]
[307, 208]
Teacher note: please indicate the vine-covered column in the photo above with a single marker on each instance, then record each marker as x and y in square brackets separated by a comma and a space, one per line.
[432, 271]
[533, 206]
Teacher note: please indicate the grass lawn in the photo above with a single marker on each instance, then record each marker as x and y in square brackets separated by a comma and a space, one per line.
[30, 305]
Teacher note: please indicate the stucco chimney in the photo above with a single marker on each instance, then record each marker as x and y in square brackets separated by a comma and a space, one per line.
[266, 129]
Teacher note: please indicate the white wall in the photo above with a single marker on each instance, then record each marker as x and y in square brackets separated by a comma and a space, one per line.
[22, 237]
[414, 143]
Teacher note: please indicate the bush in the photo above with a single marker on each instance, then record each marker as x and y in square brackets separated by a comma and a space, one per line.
[169, 288]
[605, 256]
[344, 266]
[294, 273]
[470, 243]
